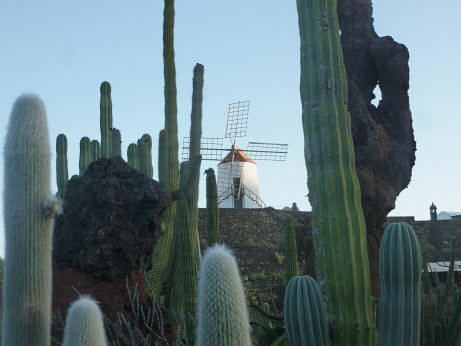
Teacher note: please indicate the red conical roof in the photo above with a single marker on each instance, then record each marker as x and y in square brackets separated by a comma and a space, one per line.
[237, 155]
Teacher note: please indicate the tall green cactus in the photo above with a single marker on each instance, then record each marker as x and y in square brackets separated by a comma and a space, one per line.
[291, 255]
[159, 271]
[334, 192]
[85, 155]
[62, 172]
[115, 143]
[29, 210]
[306, 321]
[212, 209]
[400, 272]
[145, 155]
[194, 151]
[188, 265]
[222, 311]
[95, 150]
[84, 324]
[163, 157]
[105, 120]
[132, 154]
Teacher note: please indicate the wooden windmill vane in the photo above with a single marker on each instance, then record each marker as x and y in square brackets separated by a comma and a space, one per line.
[238, 185]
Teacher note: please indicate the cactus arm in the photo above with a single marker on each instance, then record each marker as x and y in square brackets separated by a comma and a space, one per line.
[62, 172]
[115, 143]
[194, 154]
[85, 155]
[28, 226]
[291, 256]
[163, 157]
[334, 191]
[132, 154]
[212, 210]
[105, 120]
[84, 324]
[95, 150]
[400, 272]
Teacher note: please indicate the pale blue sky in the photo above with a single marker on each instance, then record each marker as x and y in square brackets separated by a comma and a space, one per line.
[63, 50]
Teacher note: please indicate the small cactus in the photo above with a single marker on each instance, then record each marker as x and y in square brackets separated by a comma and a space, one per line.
[212, 209]
[306, 321]
[105, 120]
[84, 324]
[85, 155]
[291, 256]
[145, 155]
[132, 154]
[62, 172]
[115, 143]
[222, 311]
[400, 272]
[95, 150]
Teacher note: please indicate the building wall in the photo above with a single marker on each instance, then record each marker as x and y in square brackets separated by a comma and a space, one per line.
[257, 238]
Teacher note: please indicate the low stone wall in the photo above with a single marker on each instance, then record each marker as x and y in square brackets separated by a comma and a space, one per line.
[257, 238]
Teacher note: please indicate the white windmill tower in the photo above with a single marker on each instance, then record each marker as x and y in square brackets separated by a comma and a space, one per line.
[237, 180]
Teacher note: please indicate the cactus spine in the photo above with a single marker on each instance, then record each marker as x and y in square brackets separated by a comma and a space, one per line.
[145, 155]
[62, 172]
[105, 120]
[222, 311]
[306, 321]
[194, 152]
[291, 255]
[212, 210]
[84, 324]
[132, 154]
[95, 150]
[115, 143]
[85, 155]
[29, 211]
[163, 248]
[400, 273]
[334, 192]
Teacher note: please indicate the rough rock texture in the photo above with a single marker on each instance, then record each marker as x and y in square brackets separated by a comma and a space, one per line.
[383, 136]
[111, 221]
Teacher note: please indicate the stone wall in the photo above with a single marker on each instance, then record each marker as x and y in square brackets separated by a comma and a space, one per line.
[257, 238]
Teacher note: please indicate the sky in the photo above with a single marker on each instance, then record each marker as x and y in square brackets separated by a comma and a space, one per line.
[63, 50]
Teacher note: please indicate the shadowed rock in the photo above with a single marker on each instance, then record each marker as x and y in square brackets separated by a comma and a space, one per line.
[383, 135]
[111, 221]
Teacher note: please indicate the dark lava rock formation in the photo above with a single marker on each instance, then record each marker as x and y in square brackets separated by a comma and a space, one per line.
[111, 221]
[383, 136]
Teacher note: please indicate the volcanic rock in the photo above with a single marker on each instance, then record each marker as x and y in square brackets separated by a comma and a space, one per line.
[383, 135]
[111, 221]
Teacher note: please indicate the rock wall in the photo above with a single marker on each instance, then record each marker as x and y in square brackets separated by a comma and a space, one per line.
[257, 238]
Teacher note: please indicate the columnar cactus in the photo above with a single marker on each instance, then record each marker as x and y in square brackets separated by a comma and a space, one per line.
[85, 155]
[222, 311]
[84, 324]
[105, 120]
[163, 157]
[188, 265]
[95, 150]
[132, 154]
[400, 273]
[62, 173]
[194, 150]
[29, 209]
[291, 256]
[145, 155]
[115, 143]
[212, 209]
[305, 317]
[334, 193]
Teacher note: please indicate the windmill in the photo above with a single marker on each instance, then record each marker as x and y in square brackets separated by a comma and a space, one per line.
[238, 185]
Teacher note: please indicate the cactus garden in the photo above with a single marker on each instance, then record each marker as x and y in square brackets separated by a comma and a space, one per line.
[115, 223]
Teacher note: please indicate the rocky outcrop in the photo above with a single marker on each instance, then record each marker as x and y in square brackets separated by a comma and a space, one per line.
[383, 135]
[111, 221]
